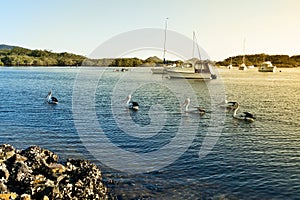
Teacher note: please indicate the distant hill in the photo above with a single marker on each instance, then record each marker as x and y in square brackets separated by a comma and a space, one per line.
[257, 59]
[4, 47]
[154, 59]
[18, 56]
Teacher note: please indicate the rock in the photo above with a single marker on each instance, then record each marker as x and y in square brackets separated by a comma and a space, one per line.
[6, 151]
[34, 173]
[25, 197]
[3, 187]
[8, 196]
[4, 173]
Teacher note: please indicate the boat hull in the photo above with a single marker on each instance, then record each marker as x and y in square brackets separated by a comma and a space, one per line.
[187, 75]
[267, 69]
[158, 70]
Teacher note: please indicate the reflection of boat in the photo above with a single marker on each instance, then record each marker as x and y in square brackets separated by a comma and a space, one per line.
[197, 70]
[267, 67]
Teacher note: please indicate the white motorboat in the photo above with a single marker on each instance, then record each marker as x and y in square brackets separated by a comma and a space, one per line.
[267, 67]
[198, 70]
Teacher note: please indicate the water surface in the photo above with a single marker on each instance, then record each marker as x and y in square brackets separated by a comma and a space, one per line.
[249, 161]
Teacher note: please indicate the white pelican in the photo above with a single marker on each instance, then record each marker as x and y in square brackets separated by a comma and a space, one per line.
[245, 116]
[131, 104]
[50, 99]
[229, 105]
[198, 110]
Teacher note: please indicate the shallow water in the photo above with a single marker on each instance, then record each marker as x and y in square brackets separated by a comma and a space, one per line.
[154, 153]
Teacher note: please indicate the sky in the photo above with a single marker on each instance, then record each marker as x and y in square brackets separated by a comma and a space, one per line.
[221, 26]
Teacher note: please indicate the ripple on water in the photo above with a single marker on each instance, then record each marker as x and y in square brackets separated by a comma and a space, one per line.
[249, 161]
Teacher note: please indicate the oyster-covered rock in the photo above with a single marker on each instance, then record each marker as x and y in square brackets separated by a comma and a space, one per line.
[6, 151]
[34, 173]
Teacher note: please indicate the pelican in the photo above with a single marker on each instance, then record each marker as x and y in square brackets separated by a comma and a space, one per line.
[50, 99]
[246, 116]
[229, 105]
[131, 104]
[198, 109]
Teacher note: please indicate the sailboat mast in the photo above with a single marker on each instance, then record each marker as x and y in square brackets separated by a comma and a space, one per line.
[165, 41]
[195, 40]
[244, 50]
[193, 44]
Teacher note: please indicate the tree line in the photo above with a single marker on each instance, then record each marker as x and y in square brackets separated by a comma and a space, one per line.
[257, 59]
[19, 56]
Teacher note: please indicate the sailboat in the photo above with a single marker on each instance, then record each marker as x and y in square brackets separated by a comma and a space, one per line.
[243, 65]
[192, 69]
[230, 65]
[161, 69]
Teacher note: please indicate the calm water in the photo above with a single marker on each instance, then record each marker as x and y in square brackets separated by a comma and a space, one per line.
[249, 161]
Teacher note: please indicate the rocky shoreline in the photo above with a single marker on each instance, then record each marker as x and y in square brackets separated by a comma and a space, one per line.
[35, 173]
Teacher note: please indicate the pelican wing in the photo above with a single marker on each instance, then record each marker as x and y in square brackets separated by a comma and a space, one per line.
[231, 103]
[134, 103]
[249, 115]
[54, 99]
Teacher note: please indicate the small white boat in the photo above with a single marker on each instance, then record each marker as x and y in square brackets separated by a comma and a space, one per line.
[230, 65]
[243, 67]
[267, 67]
